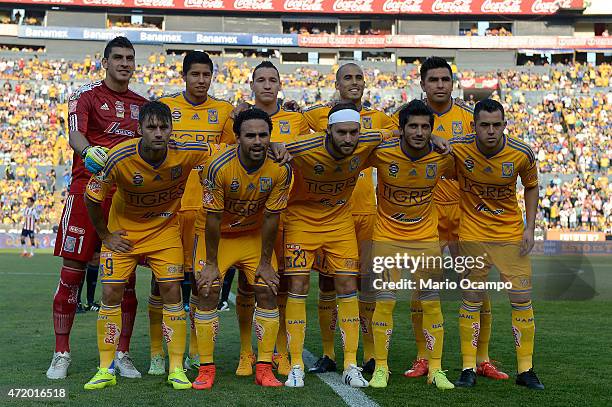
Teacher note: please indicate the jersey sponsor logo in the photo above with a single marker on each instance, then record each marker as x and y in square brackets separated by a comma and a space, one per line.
[119, 109]
[176, 114]
[401, 217]
[487, 191]
[469, 163]
[484, 208]
[507, 170]
[407, 196]
[366, 122]
[195, 117]
[76, 229]
[176, 172]
[393, 169]
[265, 184]
[318, 169]
[213, 116]
[330, 187]
[245, 207]
[134, 111]
[201, 138]
[114, 128]
[235, 185]
[354, 163]
[285, 127]
[104, 107]
[137, 179]
[155, 198]
[457, 128]
[431, 170]
[150, 215]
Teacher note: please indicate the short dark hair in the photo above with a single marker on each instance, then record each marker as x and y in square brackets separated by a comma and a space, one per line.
[343, 66]
[416, 107]
[488, 105]
[433, 63]
[155, 109]
[251, 114]
[117, 42]
[31, 199]
[342, 106]
[196, 57]
[266, 64]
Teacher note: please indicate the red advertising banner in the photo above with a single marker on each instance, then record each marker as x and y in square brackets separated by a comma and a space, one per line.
[479, 83]
[454, 41]
[446, 7]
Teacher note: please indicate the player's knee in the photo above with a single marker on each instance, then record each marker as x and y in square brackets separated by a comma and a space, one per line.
[112, 294]
[299, 284]
[95, 260]
[243, 283]
[265, 298]
[73, 264]
[210, 301]
[326, 283]
[473, 296]
[345, 284]
[519, 298]
[170, 292]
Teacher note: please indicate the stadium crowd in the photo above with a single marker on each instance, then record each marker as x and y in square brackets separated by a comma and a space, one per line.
[567, 124]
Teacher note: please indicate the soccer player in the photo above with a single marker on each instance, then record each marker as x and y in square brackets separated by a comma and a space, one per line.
[327, 166]
[286, 125]
[453, 118]
[196, 117]
[150, 174]
[101, 115]
[30, 217]
[408, 171]
[492, 229]
[245, 193]
[350, 85]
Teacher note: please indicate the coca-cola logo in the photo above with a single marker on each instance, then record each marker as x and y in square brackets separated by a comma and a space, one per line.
[403, 6]
[303, 5]
[452, 6]
[254, 4]
[154, 3]
[54, 1]
[501, 7]
[205, 4]
[549, 7]
[104, 2]
[357, 6]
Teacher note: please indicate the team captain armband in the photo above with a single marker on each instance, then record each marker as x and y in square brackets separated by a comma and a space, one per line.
[97, 188]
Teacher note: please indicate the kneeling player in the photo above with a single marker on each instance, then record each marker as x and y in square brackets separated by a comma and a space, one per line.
[407, 223]
[245, 192]
[150, 174]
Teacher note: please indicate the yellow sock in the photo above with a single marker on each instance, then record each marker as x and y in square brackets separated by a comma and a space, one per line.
[486, 319]
[155, 325]
[281, 337]
[469, 330]
[193, 336]
[416, 314]
[328, 316]
[245, 306]
[296, 327]
[523, 328]
[108, 328]
[382, 328]
[366, 310]
[348, 321]
[175, 332]
[433, 332]
[266, 329]
[207, 326]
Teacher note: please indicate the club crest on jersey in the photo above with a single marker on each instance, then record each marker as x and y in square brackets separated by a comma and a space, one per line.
[235, 185]
[507, 170]
[354, 163]
[285, 127]
[119, 109]
[137, 179]
[176, 114]
[366, 122]
[134, 111]
[457, 128]
[265, 184]
[431, 170]
[176, 172]
[213, 116]
[318, 169]
[469, 163]
[393, 169]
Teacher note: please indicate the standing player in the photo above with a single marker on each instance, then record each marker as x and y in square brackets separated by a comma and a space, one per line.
[407, 224]
[101, 115]
[30, 217]
[286, 125]
[196, 117]
[150, 174]
[453, 118]
[492, 228]
[350, 84]
[245, 193]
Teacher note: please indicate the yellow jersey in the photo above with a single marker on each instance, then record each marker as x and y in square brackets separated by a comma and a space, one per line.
[363, 201]
[405, 192]
[458, 121]
[490, 211]
[286, 125]
[243, 195]
[203, 123]
[147, 196]
[323, 185]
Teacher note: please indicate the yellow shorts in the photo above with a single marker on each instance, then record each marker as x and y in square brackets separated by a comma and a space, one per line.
[166, 264]
[364, 226]
[339, 249]
[242, 251]
[512, 267]
[449, 217]
[187, 225]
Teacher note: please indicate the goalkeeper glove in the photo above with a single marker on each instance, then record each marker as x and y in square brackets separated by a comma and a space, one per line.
[95, 158]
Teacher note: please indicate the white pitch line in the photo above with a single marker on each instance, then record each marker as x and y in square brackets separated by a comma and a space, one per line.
[353, 397]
